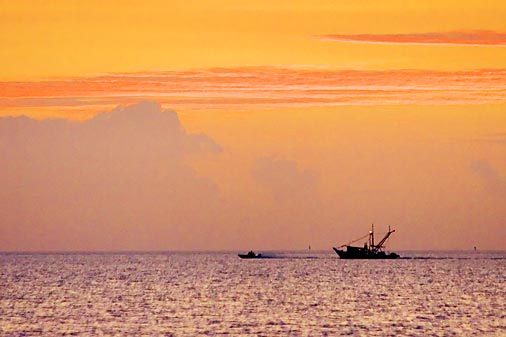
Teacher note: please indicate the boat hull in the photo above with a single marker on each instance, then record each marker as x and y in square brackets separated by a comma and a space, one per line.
[252, 255]
[247, 256]
[365, 254]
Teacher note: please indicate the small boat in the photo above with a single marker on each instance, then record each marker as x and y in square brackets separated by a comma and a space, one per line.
[251, 255]
[370, 250]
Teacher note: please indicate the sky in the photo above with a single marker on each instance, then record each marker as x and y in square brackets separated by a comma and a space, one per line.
[266, 125]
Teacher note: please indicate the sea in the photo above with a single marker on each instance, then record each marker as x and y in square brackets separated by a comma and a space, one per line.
[219, 294]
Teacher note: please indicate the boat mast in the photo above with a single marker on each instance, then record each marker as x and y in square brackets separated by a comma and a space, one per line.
[380, 244]
[371, 237]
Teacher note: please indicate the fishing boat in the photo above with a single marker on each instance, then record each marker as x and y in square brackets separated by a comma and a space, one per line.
[370, 250]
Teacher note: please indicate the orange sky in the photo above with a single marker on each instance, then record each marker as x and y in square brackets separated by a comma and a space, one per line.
[329, 116]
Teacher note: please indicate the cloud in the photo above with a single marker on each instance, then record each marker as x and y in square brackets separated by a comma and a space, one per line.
[116, 181]
[254, 88]
[284, 179]
[292, 208]
[498, 138]
[453, 38]
[492, 181]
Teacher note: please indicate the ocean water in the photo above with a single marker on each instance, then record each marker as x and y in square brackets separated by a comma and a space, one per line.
[213, 294]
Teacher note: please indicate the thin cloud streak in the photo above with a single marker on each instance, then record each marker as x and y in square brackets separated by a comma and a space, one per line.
[258, 88]
[454, 38]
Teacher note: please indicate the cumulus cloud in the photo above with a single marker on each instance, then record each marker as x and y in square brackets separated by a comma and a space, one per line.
[458, 38]
[292, 207]
[116, 181]
[491, 179]
[284, 179]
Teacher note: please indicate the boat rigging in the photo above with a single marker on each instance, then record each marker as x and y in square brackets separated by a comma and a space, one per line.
[370, 249]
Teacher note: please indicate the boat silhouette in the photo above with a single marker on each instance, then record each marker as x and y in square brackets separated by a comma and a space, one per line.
[370, 250]
[251, 255]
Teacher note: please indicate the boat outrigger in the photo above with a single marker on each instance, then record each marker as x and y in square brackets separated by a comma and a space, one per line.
[370, 250]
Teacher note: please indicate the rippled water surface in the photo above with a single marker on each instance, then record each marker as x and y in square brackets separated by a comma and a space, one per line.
[199, 294]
